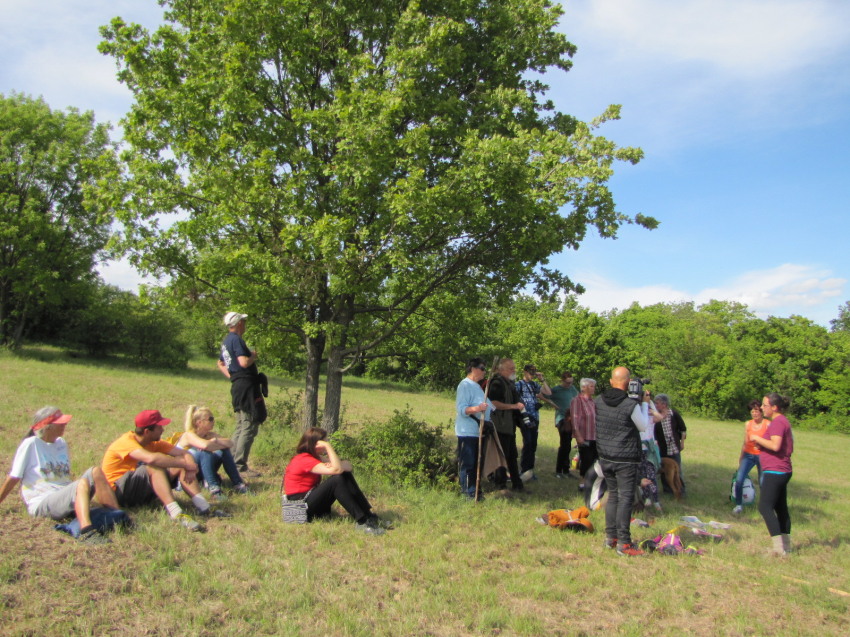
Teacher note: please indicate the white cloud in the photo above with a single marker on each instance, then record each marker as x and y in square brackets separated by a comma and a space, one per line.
[749, 39]
[780, 291]
[696, 70]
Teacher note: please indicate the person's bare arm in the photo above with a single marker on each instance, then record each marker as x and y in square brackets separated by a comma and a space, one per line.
[223, 368]
[207, 444]
[498, 404]
[247, 361]
[183, 460]
[773, 444]
[8, 487]
[333, 466]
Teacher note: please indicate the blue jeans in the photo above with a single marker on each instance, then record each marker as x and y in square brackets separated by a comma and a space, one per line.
[748, 461]
[529, 447]
[467, 457]
[209, 463]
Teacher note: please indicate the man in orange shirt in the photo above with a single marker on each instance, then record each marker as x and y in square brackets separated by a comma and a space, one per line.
[140, 467]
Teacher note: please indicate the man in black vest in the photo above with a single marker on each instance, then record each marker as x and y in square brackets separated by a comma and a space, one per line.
[619, 421]
[505, 398]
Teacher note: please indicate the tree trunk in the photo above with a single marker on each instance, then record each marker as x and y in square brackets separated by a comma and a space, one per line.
[315, 349]
[333, 390]
[19, 330]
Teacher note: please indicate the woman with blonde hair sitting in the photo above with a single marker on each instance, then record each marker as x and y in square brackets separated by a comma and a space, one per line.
[210, 451]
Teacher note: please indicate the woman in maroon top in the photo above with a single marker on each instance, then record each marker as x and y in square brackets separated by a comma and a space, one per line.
[314, 458]
[777, 445]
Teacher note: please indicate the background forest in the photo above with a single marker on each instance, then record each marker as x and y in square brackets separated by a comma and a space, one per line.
[712, 359]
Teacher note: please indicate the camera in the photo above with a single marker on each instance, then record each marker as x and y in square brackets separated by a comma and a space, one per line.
[525, 421]
[636, 387]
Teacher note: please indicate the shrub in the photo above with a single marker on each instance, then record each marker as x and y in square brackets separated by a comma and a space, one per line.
[280, 432]
[400, 450]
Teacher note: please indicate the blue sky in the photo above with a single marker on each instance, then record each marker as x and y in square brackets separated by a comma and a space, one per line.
[740, 106]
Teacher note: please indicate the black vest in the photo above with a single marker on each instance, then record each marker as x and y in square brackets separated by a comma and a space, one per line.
[617, 438]
[505, 419]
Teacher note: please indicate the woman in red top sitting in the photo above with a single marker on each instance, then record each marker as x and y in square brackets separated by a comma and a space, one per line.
[314, 458]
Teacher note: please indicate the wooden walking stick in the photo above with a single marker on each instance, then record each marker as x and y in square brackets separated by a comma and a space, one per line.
[481, 427]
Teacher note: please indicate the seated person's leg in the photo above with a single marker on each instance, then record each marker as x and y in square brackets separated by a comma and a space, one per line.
[208, 464]
[230, 469]
[322, 497]
[60, 504]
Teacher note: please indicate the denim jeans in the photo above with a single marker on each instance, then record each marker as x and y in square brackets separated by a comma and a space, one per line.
[209, 463]
[748, 461]
[529, 447]
[467, 457]
[678, 458]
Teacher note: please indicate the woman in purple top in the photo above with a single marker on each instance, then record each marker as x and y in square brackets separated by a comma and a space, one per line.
[777, 445]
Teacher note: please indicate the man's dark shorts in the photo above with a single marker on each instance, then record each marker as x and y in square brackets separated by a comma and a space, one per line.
[134, 488]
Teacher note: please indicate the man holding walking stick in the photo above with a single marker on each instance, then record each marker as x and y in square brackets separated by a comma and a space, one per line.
[471, 405]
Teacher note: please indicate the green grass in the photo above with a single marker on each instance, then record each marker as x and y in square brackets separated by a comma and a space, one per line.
[449, 568]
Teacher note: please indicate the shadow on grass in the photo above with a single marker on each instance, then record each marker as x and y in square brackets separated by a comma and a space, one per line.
[199, 368]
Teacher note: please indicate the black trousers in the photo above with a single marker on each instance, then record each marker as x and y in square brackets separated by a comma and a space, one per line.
[565, 433]
[620, 479]
[342, 488]
[508, 442]
[773, 502]
[587, 455]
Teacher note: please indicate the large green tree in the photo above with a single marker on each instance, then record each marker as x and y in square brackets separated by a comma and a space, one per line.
[50, 236]
[334, 164]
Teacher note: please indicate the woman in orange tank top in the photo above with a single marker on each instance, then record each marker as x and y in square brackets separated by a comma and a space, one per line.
[749, 453]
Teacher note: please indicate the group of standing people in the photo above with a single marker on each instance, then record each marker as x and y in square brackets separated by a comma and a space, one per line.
[625, 436]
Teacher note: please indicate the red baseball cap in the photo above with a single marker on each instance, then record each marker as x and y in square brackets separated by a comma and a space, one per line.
[151, 417]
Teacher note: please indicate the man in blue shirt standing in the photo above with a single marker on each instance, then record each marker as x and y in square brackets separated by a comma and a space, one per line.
[528, 390]
[239, 364]
[471, 406]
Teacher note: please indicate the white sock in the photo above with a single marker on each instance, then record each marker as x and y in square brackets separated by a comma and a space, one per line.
[173, 509]
[200, 503]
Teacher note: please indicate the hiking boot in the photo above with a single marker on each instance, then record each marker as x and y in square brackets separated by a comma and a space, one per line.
[213, 512]
[242, 489]
[216, 497]
[188, 523]
[738, 510]
[93, 538]
[370, 527]
[250, 473]
[629, 550]
[610, 543]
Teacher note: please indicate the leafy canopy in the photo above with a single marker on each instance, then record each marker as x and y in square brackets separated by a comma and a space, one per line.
[332, 165]
[50, 233]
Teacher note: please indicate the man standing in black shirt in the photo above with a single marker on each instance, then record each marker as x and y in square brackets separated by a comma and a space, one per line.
[239, 364]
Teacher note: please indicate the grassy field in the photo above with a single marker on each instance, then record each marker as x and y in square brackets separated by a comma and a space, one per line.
[449, 567]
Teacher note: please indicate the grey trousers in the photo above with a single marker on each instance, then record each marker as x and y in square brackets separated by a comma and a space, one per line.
[243, 438]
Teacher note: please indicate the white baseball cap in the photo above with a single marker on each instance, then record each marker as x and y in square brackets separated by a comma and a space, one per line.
[231, 319]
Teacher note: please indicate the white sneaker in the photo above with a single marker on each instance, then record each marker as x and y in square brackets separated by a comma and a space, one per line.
[528, 475]
[738, 510]
[658, 505]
